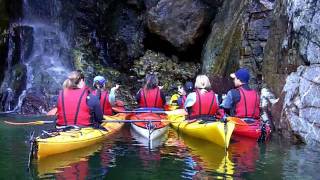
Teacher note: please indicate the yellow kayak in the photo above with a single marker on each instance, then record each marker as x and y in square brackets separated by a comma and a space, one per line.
[56, 142]
[210, 131]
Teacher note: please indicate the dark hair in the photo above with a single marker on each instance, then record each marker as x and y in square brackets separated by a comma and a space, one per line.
[151, 81]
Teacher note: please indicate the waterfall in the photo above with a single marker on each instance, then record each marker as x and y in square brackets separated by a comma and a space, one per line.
[44, 53]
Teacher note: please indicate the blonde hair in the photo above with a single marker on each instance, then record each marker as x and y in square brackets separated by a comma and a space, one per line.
[73, 80]
[202, 82]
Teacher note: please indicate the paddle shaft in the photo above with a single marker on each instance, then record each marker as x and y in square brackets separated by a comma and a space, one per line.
[109, 121]
[137, 120]
[177, 111]
[29, 123]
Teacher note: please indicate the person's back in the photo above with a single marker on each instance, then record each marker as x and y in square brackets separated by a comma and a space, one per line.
[72, 107]
[102, 94]
[203, 101]
[243, 101]
[151, 95]
[248, 105]
[76, 106]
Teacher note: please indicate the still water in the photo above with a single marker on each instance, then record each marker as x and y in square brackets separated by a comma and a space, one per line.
[126, 155]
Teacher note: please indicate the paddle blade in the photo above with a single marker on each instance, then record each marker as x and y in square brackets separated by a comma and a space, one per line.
[177, 112]
[29, 123]
[52, 112]
[236, 120]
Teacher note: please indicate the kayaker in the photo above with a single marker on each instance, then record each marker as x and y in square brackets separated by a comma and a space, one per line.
[184, 91]
[107, 100]
[242, 101]
[76, 105]
[203, 102]
[151, 95]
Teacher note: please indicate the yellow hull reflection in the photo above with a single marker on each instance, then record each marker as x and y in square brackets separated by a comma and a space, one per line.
[55, 163]
[210, 156]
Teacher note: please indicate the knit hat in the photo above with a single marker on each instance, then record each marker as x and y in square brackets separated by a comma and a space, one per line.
[100, 80]
[242, 74]
[188, 87]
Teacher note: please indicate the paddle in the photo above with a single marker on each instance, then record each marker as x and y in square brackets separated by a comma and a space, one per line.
[263, 135]
[52, 112]
[111, 121]
[173, 112]
[29, 123]
[236, 121]
[137, 120]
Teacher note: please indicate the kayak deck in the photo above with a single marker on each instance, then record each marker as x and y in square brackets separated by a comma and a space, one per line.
[216, 132]
[150, 130]
[56, 142]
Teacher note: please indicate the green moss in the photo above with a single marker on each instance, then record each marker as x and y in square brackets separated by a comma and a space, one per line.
[227, 61]
[170, 72]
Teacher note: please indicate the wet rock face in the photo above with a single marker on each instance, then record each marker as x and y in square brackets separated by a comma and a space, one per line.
[179, 22]
[291, 61]
[302, 89]
[35, 103]
[302, 102]
[4, 23]
[238, 38]
[110, 32]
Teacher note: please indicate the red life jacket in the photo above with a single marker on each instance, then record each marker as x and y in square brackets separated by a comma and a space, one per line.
[249, 103]
[104, 102]
[150, 98]
[206, 104]
[73, 108]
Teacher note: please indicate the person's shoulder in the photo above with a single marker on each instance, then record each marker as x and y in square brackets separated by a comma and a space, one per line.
[233, 92]
[192, 94]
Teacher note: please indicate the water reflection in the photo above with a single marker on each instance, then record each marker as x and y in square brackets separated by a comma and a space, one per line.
[122, 156]
[70, 165]
[245, 152]
[151, 144]
[208, 157]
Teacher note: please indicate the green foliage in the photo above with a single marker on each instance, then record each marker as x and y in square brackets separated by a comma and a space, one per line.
[169, 71]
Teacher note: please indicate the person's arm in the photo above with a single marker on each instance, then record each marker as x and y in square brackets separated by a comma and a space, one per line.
[190, 100]
[228, 104]
[94, 105]
[112, 95]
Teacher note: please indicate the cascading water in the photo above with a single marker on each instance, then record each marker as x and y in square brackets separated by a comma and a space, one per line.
[44, 56]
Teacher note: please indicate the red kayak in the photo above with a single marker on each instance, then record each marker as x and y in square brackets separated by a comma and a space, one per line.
[250, 128]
